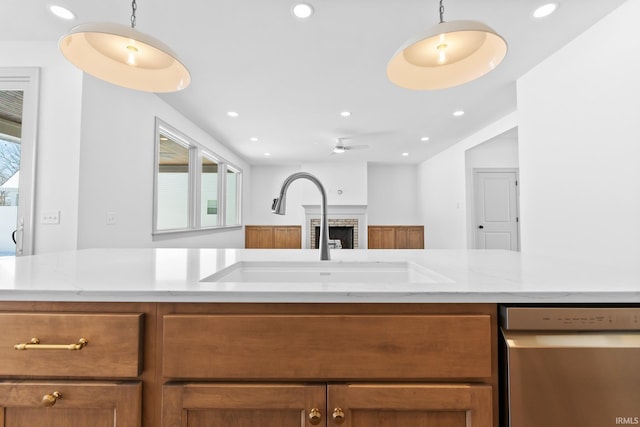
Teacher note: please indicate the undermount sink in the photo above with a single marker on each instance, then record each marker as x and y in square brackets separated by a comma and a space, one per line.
[326, 272]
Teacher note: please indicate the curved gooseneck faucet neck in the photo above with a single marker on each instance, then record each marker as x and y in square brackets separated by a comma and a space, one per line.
[279, 208]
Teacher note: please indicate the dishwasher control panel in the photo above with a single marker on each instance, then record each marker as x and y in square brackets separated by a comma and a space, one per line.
[571, 318]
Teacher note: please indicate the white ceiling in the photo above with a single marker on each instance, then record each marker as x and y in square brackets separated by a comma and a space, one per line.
[289, 79]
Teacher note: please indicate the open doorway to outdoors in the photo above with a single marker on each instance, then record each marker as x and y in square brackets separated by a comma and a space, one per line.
[18, 123]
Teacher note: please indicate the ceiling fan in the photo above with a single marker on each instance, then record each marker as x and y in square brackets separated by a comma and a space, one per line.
[340, 147]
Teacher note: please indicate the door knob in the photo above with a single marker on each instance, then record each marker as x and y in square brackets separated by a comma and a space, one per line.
[338, 416]
[49, 400]
[315, 416]
[481, 226]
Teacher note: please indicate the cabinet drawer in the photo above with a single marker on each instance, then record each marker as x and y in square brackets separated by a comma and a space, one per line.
[113, 349]
[328, 347]
[53, 403]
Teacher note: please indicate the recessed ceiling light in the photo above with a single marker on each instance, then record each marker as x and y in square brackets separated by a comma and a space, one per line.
[253, 139]
[424, 138]
[405, 154]
[267, 154]
[545, 10]
[458, 113]
[345, 114]
[302, 10]
[62, 12]
[232, 114]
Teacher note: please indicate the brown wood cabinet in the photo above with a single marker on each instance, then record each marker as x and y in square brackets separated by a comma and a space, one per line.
[238, 365]
[77, 364]
[305, 365]
[62, 404]
[354, 405]
[273, 237]
[396, 237]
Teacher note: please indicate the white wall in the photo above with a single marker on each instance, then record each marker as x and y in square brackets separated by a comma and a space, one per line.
[349, 178]
[58, 144]
[393, 194]
[442, 187]
[117, 166]
[265, 185]
[580, 146]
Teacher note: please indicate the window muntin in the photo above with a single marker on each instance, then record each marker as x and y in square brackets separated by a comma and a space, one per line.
[194, 189]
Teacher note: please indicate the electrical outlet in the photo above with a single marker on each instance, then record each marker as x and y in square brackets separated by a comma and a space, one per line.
[112, 218]
[50, 217]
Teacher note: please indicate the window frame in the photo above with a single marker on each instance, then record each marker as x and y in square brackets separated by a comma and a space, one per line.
[197, 152]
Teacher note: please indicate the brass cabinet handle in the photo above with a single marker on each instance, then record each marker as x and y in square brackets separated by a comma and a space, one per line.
[338, 416]
[34, 344]
[49, 400]
[315, 416]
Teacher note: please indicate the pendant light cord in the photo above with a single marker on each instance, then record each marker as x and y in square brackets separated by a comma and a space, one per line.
[441, 12]
[134, 6]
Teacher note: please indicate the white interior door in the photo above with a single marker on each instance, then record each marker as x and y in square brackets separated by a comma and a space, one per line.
[18, 125]
[496, 209]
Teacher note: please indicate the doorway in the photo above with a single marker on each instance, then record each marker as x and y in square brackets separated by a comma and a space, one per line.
[18, 124]
[496, 209]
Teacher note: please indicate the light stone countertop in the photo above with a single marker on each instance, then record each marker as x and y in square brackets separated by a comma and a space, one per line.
[174, 275]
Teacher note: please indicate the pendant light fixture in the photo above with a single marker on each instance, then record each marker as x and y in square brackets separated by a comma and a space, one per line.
[125, 57]
[448, 54]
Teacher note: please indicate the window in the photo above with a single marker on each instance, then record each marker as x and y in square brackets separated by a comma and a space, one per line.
[195, 189]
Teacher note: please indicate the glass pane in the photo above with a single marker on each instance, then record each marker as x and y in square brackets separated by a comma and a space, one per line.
[233, 192]
[209, 193]
[173, 185]
[10, 137]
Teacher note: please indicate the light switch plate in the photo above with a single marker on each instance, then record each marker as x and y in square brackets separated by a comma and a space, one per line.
[50, 217]
[112, 218]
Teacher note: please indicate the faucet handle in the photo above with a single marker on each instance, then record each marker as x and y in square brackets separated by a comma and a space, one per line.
[274, 204]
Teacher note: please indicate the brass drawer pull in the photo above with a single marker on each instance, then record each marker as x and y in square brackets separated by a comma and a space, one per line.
[34, 344]
[49, 400]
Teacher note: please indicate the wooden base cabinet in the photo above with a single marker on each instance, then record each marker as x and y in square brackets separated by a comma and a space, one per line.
[352, 405]
[410, 405]
[273, 237]
[242, 405]
[246, 365]
[304, 365]
[395, 237]
[70, 404]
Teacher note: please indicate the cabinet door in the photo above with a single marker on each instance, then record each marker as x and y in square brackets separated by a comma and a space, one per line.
[287, 237]
[381, 237]
[410, 405]
[415, 238]
[72, 404]
[401, 238]
[243, 405]
[258, 237]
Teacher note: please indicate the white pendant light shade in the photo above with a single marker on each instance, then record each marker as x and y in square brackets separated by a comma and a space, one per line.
[447, 55]
[125, 57]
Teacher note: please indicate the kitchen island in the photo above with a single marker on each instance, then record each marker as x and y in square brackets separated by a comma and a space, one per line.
[136, 337]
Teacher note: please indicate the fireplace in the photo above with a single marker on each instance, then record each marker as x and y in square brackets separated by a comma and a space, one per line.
[340, 237]
[345, 230]
[349, 221]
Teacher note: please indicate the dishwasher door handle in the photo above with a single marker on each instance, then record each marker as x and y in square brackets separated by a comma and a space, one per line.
[592, 339]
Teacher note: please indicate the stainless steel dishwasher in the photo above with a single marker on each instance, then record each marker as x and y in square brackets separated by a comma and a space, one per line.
[573, 366]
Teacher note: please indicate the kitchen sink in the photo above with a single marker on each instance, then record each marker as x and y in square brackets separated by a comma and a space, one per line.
[326, 272]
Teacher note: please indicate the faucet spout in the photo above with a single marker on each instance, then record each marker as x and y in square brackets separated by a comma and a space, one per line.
[279, 208]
